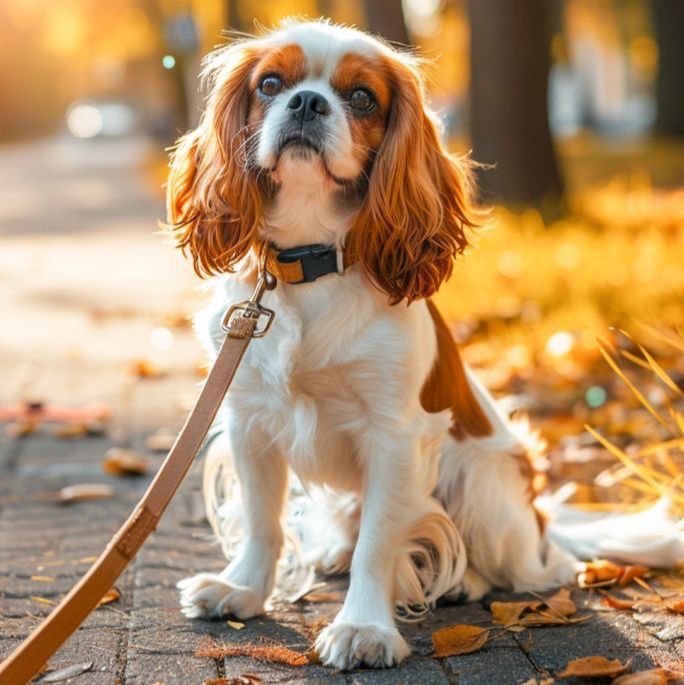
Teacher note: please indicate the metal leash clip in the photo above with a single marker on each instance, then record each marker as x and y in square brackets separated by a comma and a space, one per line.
[252, 309]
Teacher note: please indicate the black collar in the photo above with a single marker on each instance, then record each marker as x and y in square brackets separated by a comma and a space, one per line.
[305, 263]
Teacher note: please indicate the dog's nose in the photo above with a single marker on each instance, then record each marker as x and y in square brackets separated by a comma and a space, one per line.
[306, 105]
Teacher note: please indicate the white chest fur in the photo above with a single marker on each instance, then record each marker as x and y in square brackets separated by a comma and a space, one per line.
[337, 360]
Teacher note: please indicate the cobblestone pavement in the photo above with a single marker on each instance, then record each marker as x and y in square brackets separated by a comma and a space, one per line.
[78, 307]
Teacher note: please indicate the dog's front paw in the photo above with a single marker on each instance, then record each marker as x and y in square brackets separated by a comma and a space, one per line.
[208, 595]
[347, 645]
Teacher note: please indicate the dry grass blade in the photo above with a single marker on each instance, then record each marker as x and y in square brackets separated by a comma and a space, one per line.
[655, 367]
[603, 347]
[668, 339]
[628, 462]
[459, 639]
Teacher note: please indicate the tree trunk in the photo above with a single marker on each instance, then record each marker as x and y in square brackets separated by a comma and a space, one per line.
[386, 18]
[510, 60]
[668, 19]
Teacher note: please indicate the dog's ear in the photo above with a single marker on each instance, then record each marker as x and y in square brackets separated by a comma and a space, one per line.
[417, 210]
[213, 202]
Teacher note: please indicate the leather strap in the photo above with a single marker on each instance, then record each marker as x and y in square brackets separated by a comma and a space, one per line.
[27, 659]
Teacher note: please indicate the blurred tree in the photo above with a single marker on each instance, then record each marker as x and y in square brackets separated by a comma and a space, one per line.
[668, 18]
[386, 18]
[233, 19]
[510, 60]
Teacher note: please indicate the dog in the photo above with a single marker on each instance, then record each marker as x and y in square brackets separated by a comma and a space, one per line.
[317, 147]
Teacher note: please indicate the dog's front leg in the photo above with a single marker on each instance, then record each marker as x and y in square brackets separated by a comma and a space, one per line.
[245, 584]
[364, 631]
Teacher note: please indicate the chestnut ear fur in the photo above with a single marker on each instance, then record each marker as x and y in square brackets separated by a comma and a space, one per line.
[418, 208]
[213, 203]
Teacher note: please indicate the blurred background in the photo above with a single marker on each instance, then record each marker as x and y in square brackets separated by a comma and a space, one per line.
[579, 104]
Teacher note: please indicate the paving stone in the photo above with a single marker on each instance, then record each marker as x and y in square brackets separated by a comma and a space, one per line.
[413, 671]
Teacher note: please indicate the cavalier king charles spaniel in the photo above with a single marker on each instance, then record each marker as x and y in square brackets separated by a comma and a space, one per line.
[317, 148]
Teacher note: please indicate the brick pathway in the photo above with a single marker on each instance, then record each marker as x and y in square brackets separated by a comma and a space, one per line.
[143, 639]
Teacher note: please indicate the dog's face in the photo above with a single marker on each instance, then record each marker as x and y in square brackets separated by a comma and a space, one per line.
[334, 106]
[322, 100]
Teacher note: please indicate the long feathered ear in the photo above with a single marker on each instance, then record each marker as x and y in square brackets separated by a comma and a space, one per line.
[213, 203]
[417, 211]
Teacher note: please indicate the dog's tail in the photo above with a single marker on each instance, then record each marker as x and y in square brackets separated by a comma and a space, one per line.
[649, 538]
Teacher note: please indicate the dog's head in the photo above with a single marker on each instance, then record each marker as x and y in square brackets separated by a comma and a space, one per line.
[333, 107]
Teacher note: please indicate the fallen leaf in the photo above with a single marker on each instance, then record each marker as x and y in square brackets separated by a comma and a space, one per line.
[84, 492]
[543, 618]
[120, 461]
[631, 573]
[273, 653]
[161, 441]
[112, 595]
[244, 679]
[143, 368]
[508, 613]
[42, 579]
[561, 603]
[66, 673]
[655, 676]
[22, 428]
[617, 602]
[604, 570]
[69, 431]
[236, 625]
[43, 600]
[593, 667]
[675, 605]
[459, 639]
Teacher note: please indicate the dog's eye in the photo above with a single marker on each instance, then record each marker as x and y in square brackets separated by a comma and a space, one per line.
[270, 86]
[361, 100]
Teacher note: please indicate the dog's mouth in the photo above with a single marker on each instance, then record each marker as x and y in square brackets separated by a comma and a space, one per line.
[304, 147]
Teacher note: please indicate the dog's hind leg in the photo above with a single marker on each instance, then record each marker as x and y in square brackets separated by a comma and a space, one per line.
[485, 486]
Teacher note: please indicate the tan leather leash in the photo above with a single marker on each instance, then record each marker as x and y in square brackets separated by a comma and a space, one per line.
[241, 324]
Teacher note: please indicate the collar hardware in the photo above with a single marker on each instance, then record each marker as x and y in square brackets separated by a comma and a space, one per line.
[305, 263]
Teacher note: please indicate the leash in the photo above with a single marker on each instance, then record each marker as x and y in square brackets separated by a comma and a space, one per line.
[242, 322]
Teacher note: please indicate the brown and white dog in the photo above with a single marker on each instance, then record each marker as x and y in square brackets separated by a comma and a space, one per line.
[318, 141]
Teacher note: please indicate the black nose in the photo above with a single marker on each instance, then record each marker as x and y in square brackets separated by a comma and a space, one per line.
[306, 104]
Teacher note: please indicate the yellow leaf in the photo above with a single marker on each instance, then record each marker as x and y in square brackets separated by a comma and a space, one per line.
[561, 603]
[655, 676]
[675, 605]
[508, 613]
[42, 579]
[617, 602]
[236, 625]
[459, 639]
[110, 596]
[593, 667]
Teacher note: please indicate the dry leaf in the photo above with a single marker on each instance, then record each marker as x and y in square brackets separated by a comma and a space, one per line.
[508, 613]
[112, 595]
[21, 428]
[604, 570]
[593, 667]
[43, 600]
[120, 461]
[66, 673]
[42, 579]
[544, 618]
[69, 431]
[161, 441]
[84, 492]
[459, 639]
[656, 676]
[561, 603]
[617, 602]
[236, 625]
[273, 653]
[244, 679]
[143, 368]
[675, 605]
[631, 573]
